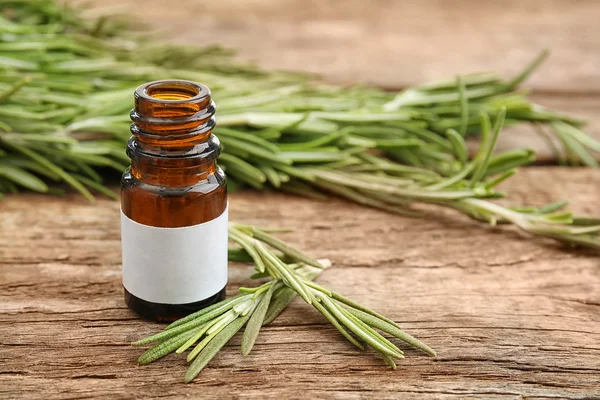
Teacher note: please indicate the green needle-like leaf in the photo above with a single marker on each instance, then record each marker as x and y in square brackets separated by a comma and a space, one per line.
[281, 300]
[22, 177]
[193, 323]
[285, 248]
[358, 330]
[44, 162]
[166, 347]
[337, 325]
[213, 333]
[464, 107]
[213, 347]
[392, 329]
[239, 238]
[459, 146]
[517, 80]
[215, 309]
[484, 161]
[256, 321]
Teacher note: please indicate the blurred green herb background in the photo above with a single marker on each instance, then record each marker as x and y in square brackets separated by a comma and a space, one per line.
[66, 89]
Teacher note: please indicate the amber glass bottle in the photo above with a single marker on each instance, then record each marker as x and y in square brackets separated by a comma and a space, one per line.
[173, 203]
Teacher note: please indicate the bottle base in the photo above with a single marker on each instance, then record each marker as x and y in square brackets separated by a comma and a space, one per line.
[168, 312]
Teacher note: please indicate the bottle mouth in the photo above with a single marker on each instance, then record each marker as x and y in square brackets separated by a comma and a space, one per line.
[171, 105]
[172, 92]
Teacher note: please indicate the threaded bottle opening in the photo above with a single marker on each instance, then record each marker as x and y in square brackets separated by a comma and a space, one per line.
[172, 123]
[173, 90]
[172, 99]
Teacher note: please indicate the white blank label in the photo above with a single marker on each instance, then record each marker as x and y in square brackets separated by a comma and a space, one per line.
[174, 265]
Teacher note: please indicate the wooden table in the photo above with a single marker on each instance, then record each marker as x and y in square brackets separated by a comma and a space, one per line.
[511, 316]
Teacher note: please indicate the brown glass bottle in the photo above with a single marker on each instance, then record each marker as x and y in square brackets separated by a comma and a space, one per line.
[173, 184]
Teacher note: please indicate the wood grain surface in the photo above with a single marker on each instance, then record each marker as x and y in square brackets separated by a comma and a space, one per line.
[512, 317]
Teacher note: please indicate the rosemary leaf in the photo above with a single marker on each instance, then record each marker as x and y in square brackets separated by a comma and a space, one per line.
[281, 299]
[22, 177]
[354, 305]
[356, 329]
[166, 347]
[217, 308]
[372, 332]
[193, 323]
[464, 106]
[280, 245]
[386, 327]
[213, 333]
[256, 321]
[337, 325]
[213, 347]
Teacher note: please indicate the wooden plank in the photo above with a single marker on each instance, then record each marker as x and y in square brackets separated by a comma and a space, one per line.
[510, 316]
[394, 44]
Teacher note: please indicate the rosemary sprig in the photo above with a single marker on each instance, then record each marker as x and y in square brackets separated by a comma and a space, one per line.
[208, 330]
[465, 186]
[333, 303]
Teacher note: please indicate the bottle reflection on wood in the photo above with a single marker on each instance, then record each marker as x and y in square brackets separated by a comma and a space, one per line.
[174, 203]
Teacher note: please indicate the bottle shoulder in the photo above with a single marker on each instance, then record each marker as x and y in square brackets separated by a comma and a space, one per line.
[210, 183]
[174, 206]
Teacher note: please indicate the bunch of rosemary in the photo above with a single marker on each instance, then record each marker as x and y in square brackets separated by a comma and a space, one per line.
[208, 330]
[66, 85]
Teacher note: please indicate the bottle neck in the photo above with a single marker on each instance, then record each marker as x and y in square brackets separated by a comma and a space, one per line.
[172, 142]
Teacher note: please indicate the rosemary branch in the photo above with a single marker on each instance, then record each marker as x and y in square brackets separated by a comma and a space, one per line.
[207, 331]
[66, 86]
